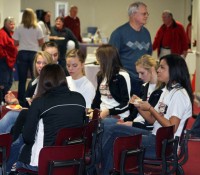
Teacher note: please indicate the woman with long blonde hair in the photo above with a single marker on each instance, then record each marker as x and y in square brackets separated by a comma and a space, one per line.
[28, 37]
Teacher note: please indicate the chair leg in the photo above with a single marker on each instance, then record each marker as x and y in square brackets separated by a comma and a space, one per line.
[180, 170]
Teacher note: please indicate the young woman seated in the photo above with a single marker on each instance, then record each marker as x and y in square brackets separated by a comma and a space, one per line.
[54, 107]
[113, 89]
[146, 68]
[173, 108]
[77, 81]
[41, 59]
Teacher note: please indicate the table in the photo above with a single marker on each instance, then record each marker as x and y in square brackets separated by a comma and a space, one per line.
[84, 46]
[91, 71]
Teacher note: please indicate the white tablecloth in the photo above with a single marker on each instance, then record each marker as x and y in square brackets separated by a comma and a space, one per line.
[191, 62]
[91, 71]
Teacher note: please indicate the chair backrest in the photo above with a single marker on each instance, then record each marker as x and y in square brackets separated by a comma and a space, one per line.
[96, 114]
[5, 144]
[162, 134]
[126, 143]
[70, 136]
[61, 160]
[90, 131]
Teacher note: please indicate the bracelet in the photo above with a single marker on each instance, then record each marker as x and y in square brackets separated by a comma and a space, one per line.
[149, 108]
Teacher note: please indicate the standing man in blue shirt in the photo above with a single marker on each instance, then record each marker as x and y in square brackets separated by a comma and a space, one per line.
[133, 40]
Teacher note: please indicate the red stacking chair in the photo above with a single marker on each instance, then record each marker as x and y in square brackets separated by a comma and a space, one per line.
[62, 160]
[166, 161]
[92, 140]
[128, 155]
[183, 148]
[96, 114]
[5, 144]
[67, 136]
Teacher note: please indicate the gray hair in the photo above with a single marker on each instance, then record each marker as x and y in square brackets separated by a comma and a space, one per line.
[8, 20]
[168, 13]
[134, 7]
[73, 6]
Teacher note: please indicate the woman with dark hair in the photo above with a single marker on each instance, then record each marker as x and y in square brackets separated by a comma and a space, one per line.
[44, 22]
[61, 35]
[46, 18]
[53, 108]
[173, 108]
[113, 90]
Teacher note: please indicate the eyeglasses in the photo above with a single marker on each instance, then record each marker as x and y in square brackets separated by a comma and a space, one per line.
[144, 14]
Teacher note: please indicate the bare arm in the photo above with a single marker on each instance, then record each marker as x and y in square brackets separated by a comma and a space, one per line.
[41, 41]
[16, 42]
[148, 109]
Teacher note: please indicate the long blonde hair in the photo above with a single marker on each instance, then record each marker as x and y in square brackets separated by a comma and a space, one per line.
[29, 18]
[147, 62]
[48, 58]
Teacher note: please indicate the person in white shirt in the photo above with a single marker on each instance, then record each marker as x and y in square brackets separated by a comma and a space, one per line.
[28, 37]
[173, 108]
[77, 81]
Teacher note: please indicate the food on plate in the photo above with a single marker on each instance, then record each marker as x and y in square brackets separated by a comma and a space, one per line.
[15, 106]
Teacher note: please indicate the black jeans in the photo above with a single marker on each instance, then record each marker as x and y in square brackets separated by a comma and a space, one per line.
[6, 77]
[24, 63]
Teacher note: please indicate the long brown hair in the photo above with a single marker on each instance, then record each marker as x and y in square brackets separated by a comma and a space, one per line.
[109, 60]
[51, 76]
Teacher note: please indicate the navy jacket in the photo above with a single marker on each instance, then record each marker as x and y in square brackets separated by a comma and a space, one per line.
[59, 108]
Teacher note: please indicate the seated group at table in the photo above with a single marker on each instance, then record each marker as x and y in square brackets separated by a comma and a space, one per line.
[56, 102]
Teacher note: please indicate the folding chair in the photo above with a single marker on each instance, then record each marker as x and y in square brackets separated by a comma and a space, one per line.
[91, 135]
[67, 136]
[128, 155]
[166, 161]
[5, 144]
[62, 160]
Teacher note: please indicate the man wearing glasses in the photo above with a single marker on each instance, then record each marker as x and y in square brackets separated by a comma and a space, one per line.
[133, 40]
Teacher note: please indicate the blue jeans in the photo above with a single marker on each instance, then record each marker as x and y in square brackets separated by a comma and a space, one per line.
[24, 63]
[6, 76]
[14, 153]
[26, 166]
[107, 123]
[8, 121]
[148, 141]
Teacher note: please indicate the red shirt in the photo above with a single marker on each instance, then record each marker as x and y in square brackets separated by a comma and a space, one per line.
[7, 48]
[166, 41]
[175, 37]
[74, 25]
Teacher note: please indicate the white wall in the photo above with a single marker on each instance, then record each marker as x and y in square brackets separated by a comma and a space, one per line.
[1, 13]
[109, 14]
[10, 8]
